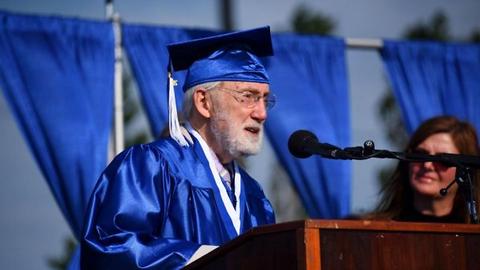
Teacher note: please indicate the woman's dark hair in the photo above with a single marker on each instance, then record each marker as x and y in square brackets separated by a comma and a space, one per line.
[397, 194]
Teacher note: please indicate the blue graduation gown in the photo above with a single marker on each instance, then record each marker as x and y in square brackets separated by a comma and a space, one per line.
[155, 204]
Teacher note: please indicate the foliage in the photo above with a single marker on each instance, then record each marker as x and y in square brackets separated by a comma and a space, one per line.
[475, 35]
[61, 262]
[307, 21]
[392, 120]
[435, 29]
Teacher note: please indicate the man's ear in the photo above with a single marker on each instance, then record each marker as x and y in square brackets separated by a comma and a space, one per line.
[202, 102]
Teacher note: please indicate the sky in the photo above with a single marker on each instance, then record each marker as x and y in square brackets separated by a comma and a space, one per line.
[31, 225]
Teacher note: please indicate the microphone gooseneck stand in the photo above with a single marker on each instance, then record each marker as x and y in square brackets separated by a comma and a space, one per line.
[303, 143]
[463, 176]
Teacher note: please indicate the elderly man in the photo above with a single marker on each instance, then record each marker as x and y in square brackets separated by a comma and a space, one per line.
[157, 205]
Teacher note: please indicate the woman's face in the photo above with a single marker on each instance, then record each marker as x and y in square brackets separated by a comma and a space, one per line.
[427, 178]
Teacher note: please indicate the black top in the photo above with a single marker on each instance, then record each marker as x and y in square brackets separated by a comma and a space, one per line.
[415, 216]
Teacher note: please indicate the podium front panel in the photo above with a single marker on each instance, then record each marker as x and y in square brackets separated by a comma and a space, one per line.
[356, 249]
[347, 244]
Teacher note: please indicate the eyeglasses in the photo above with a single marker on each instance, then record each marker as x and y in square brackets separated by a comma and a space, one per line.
[438, 165]
[250, 99]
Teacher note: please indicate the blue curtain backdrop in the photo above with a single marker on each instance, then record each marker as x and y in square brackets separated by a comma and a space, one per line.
[309, 78]
[148, 56]
[433, 78]
[57, 76]
[308, 75]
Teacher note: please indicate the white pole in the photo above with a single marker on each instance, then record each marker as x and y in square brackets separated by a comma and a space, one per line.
[364, 43]
[109, 9]
[118, 127]
[119, 144]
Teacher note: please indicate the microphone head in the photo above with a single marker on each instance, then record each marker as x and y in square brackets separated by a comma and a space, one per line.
[368, 147]
[299, 141]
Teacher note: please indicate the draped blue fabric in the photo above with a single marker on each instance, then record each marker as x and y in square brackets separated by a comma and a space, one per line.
[433, 78]
[308, 74]
[148, 56]
[57, 76]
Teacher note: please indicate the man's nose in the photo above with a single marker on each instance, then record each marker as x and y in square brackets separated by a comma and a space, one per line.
[259, 112]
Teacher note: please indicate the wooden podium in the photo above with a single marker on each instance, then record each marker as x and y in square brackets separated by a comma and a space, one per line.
[349, 244]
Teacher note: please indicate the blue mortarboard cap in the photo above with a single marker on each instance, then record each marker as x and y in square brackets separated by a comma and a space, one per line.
[225, 57]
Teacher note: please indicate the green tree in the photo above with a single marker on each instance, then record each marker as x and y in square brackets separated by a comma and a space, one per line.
[435, 29]
[307, 21]
[61, 262]
[475, 35]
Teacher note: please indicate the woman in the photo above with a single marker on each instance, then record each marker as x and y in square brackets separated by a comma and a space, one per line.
[412, 193]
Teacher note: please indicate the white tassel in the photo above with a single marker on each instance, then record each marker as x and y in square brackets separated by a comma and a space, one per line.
[173, 124]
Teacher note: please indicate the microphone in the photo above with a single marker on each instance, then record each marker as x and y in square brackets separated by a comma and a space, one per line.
[444, 191]
[303, 143]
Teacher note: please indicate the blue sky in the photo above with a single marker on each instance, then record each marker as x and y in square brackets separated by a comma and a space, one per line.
[32, 227]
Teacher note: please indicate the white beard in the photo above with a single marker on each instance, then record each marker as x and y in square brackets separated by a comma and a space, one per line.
[232, 138]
